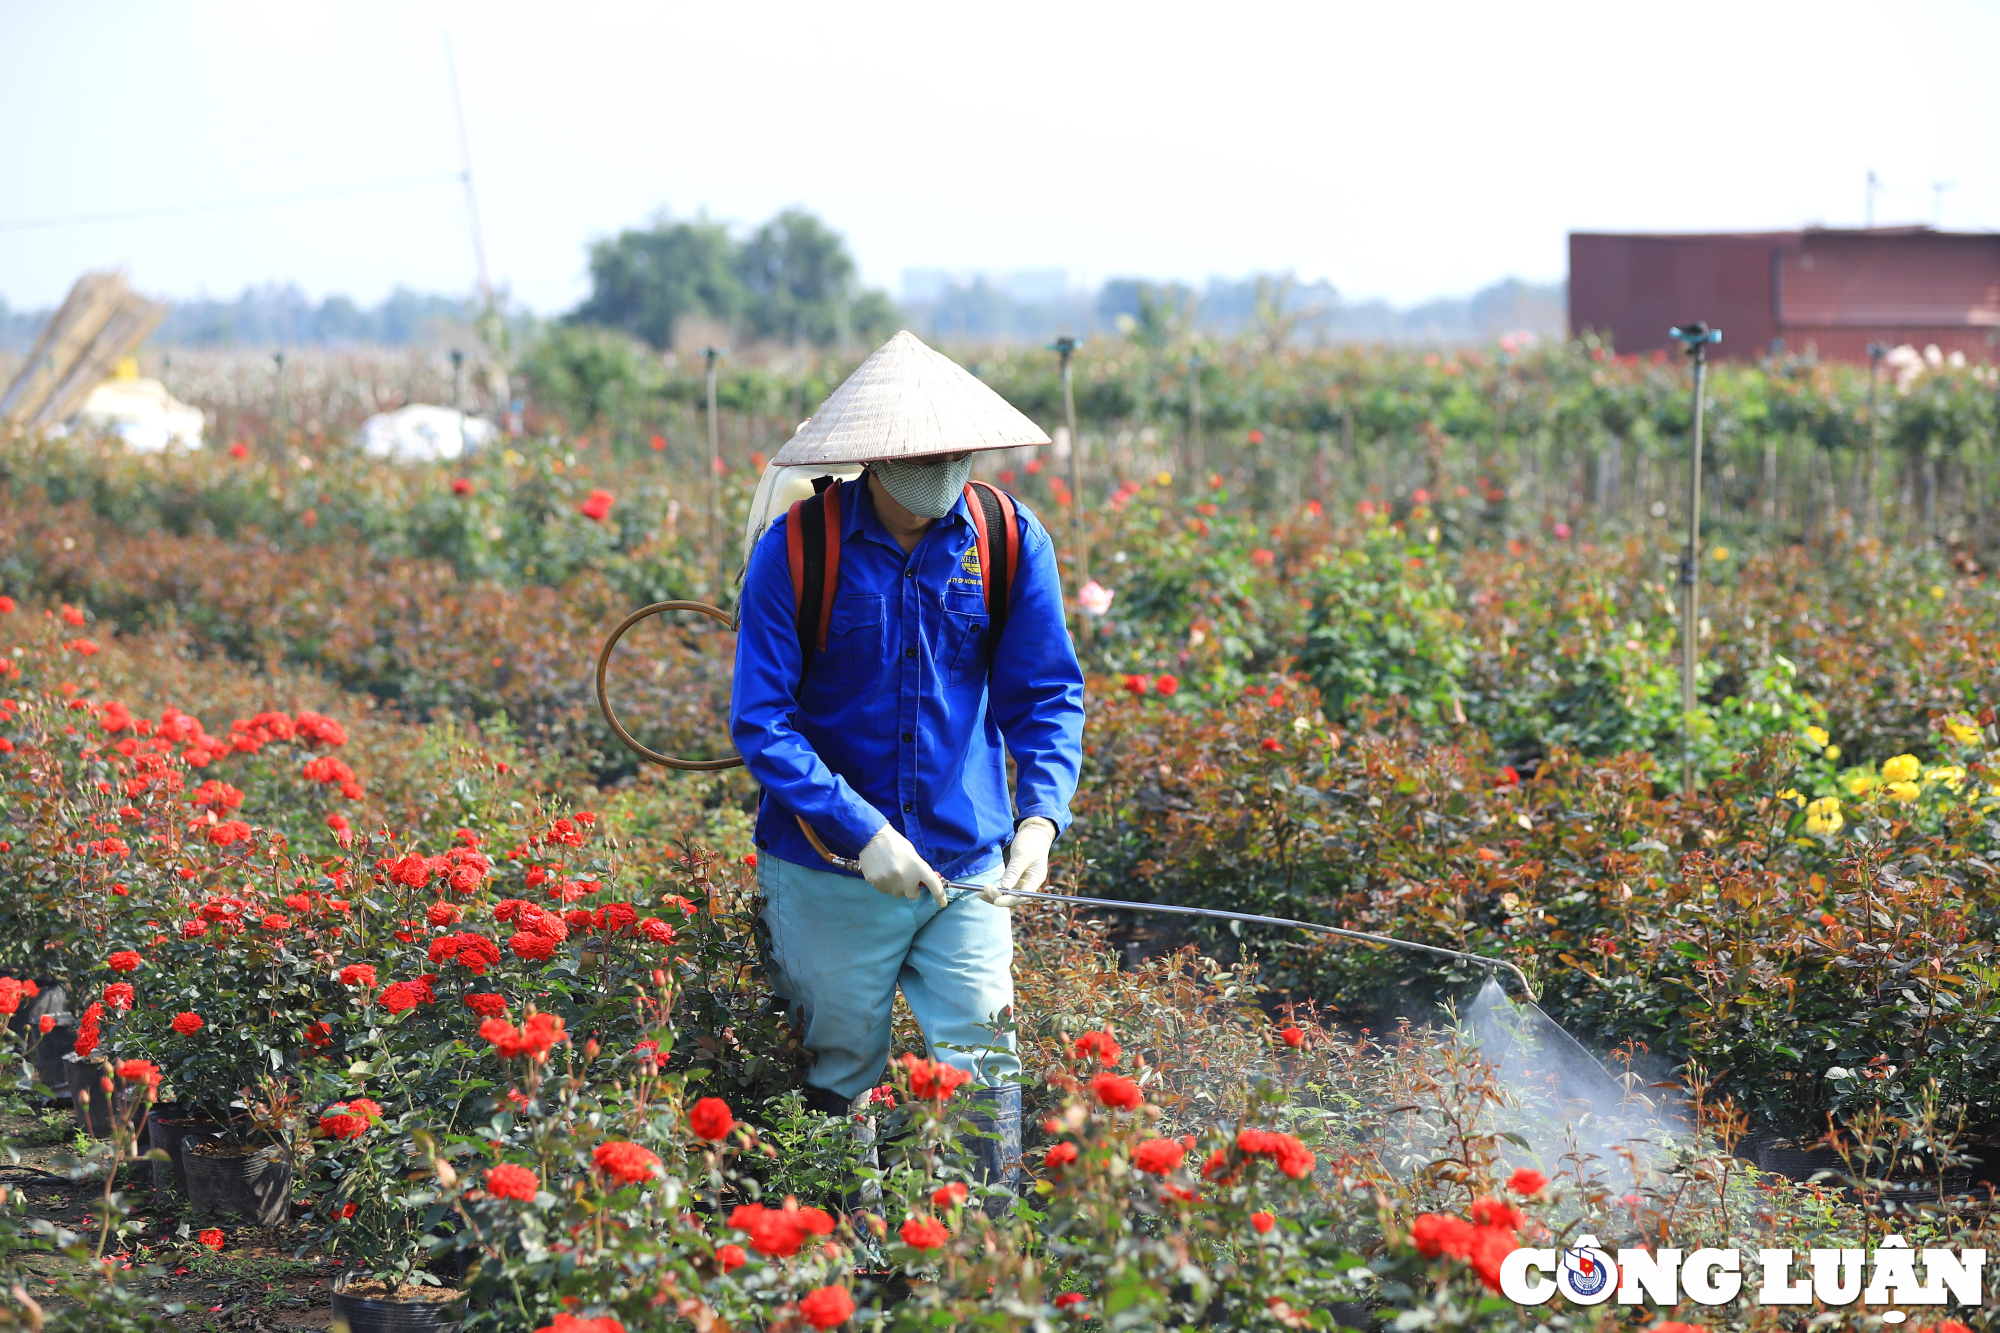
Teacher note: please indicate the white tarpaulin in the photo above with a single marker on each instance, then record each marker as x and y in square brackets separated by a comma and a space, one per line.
[142, 413]
[423, 433]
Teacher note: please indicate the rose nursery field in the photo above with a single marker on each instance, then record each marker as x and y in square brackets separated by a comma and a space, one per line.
[349, 958]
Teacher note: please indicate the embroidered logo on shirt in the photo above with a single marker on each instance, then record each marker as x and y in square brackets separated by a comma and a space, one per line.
[969, 562]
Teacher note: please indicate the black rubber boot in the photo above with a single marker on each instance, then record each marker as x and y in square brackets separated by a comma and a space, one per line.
[996, 1157]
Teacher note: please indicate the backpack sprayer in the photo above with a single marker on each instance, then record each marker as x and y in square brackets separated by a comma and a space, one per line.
[843, 863]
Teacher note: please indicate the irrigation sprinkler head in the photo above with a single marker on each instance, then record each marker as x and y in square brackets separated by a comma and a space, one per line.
[1065, 347]
[1697, 336]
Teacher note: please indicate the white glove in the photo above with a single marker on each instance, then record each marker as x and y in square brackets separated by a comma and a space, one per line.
[892, 865]
[1027, 863]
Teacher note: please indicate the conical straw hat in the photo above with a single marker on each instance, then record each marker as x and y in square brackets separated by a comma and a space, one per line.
[906, 401]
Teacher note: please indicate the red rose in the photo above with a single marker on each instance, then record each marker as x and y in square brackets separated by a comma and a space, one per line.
[828, 1307]
[533, 1039]
[1117, 1092]
[1527, 1181]
[1166, 685]
[142, 1072]
[933, 1080]
[1101, 1044]
[1291, 1036]
[212, 1238]
[626, 1162]
[513, 1182]
[1158, 1156]
[1059, 1155]
[924, 1233]
[1263, 1222]
[1492, 1212]
[711, 1118]
[124, 961]
[729, 1258]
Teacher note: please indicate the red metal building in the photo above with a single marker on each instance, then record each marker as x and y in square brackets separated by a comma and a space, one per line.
[1828, 292]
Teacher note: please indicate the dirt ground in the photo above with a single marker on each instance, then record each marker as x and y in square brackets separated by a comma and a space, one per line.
[253, 1285]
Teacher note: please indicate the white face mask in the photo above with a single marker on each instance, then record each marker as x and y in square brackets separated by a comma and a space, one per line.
[928, 490]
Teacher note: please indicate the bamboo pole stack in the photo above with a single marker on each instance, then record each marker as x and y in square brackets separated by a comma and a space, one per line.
[101, 321]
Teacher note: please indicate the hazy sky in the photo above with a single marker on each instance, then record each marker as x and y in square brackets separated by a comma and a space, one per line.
[1403, 151]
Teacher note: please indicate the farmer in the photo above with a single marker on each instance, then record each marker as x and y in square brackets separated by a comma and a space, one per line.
[886, 731]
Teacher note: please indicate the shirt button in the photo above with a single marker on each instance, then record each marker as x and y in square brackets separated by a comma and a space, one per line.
[908, 806]
[909, 652]
[909, 573]
[909, 736]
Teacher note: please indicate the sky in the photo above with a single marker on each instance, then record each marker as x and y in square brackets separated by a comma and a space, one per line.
[1399, 151]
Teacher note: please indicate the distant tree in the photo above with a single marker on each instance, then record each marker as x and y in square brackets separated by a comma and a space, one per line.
[799, 279]
[586, 373]
[1150, 314]
[643, 282]
[872, 316]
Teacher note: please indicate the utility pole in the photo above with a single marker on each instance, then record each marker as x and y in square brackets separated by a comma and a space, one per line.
[1876, 351]
[1697, 336]
[1065, 347]
[1195, 457]
[279, 411]
[1937, 201]
[465, 175]
[458, 395]
[714, 354]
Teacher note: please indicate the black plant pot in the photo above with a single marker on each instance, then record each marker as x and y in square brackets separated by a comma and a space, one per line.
[50, 1048]
[168, 1135]
[375, 1314]
[88, 1099]
[237, 1181]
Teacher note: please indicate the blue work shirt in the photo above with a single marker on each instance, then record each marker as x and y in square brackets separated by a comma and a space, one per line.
[899, 719]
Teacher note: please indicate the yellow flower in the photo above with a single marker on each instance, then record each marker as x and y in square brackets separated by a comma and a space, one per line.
[1903, 768]
[1951, 775]
[1859, 783]
[1165, 479]
[1937, 591]
[1823, 815]
[1818, 737]
[1792, 795]
[1903, 791]
[1962, 731]
[1833, 752]
[1719, 553]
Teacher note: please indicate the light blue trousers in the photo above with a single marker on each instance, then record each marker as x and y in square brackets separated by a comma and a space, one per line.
[835, 950]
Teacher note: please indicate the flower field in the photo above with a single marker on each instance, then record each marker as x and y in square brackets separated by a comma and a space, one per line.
[319, 866]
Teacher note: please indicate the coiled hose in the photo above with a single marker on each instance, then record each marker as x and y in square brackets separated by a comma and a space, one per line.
[1249, 918]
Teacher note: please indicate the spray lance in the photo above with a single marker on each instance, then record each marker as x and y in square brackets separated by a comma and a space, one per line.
[1249, 918]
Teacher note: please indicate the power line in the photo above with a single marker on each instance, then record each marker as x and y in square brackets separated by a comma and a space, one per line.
[265, 201]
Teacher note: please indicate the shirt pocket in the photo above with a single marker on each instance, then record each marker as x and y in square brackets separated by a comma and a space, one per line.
[853, 656]
[964, 646]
